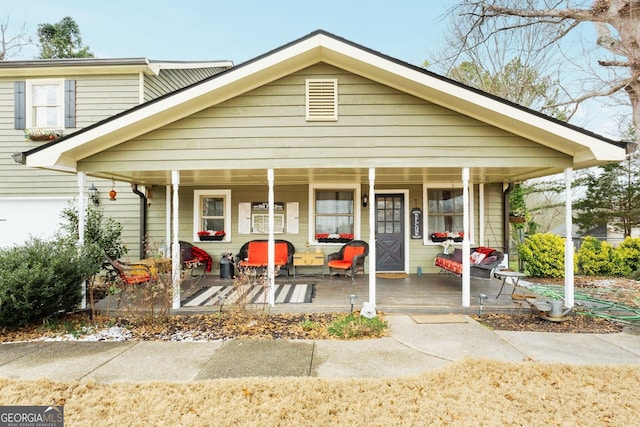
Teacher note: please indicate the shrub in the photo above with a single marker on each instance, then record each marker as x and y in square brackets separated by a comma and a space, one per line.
[627, 257]
[543, 255]
[595, 258]
[40, 279]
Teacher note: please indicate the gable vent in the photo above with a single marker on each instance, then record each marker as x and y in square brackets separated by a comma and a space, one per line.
[322, 99]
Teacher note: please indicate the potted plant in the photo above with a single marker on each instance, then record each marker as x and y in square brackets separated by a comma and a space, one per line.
[207, 235]
[42, 134]
[442, 236]
[334, 238]
[517, 205]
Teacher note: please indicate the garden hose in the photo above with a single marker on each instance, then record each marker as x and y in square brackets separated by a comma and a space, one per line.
[593, 306]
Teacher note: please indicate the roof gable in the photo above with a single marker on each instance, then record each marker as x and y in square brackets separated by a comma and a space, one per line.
[584, 147]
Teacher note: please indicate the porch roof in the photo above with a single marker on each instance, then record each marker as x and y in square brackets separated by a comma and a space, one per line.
[581, 147]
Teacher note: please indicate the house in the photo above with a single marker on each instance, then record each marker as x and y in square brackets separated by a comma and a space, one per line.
[325, 139]
[44, 99]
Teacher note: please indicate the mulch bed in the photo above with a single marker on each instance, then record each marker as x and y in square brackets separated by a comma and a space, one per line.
[205, 327]
[576, 323]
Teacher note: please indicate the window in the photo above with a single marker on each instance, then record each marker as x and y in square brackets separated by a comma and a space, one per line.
[445, 210]
[334, 211]
[322, 99]
[212, 212]
[45, 103]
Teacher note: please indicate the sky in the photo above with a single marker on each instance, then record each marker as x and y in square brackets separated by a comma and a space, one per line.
[240, 30]
[236, 30]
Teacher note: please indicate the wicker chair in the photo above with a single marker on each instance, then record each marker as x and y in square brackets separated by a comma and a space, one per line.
[350, 258]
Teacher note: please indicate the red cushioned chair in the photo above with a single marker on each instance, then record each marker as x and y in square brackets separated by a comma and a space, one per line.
[350, 257]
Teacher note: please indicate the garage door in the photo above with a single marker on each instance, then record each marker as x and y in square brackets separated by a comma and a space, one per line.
[21, 218]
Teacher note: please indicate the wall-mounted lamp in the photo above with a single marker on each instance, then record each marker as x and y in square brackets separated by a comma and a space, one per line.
[352, 300]
[365, 200]
[93, 194]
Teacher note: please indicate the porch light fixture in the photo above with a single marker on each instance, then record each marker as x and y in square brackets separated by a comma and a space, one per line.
[352, 300]
[365, 200]
[93, 194]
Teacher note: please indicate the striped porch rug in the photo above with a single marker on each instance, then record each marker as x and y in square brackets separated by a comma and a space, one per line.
[284, 294]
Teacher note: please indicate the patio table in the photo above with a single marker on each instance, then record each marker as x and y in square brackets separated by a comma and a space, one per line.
[515, 277]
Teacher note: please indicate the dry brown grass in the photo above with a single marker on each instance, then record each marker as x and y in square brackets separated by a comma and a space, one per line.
[472, 392]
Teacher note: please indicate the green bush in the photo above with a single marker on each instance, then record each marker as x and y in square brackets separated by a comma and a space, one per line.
[626, 257]
[40, 279]
[595, 258]
[543, 255]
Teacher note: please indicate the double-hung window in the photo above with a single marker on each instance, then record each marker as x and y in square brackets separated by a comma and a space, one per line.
[445, 211]
[335, 212]
[45, 104]
[212, 212]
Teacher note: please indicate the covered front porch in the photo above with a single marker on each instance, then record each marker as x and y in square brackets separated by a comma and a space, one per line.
[426, 293]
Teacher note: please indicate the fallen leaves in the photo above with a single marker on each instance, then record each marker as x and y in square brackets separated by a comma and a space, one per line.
[196, 327]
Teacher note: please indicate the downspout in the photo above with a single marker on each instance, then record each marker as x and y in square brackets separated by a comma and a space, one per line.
[505, 218]
[143, 218]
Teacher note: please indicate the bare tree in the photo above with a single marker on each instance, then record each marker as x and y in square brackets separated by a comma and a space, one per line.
[617, 24]
[11, 44]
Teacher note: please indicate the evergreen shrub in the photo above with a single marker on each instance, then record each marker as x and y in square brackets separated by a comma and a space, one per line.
[595, 258]
[543, 255]
[39, 280]
[627, 257]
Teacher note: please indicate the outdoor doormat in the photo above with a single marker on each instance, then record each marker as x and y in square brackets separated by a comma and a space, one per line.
[284, 294]
[392, 275]
[439, 318]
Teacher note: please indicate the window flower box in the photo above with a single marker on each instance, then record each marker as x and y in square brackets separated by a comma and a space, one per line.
[439, 237]
[42, 134]
[207, 235]
[334, 238]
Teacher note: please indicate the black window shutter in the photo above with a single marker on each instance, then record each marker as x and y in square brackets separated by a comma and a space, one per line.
[69, 103]
[19, 105]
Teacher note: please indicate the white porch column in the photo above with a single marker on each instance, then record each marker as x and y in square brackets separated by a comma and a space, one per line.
[175, 245]
[481, 216]
[82, 220]
[568, 244]
[271, 277]
[466, 250]
[167, 225]
[372, 237]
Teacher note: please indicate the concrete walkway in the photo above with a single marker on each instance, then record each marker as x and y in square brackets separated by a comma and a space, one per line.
[416, 345]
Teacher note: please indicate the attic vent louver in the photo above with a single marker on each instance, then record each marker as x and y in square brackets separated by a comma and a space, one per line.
[322, 99]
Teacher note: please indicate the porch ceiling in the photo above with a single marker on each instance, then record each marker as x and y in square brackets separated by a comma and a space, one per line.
[397, 175]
